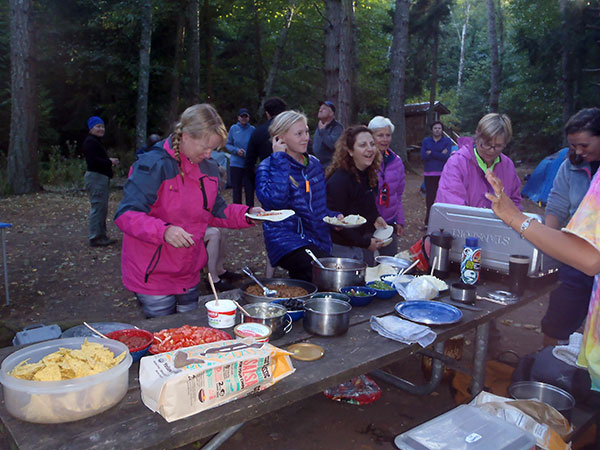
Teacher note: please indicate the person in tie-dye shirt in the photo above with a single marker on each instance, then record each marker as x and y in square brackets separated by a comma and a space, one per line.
[578, 244]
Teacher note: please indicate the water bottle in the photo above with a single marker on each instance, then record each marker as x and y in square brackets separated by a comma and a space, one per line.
[470, 261]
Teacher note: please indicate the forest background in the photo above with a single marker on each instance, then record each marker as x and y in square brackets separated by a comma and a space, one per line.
[139, 63]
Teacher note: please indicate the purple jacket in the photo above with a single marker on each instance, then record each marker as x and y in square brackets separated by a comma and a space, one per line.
[392, 173]
[463, 182]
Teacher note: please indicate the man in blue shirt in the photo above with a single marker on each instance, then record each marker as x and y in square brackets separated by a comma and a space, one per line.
[435, 151]
[237, 144]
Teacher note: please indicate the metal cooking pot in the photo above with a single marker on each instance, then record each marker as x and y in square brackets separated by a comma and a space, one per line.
[326, 316]
[249, 298]
[462, 292]
[338, 273]
[271, 314]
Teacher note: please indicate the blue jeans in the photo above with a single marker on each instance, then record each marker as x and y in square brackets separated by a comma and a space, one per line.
[163, 305]
[98, 187]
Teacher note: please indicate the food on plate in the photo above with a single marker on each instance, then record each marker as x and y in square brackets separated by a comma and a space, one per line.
[283, 290]
[66, 363]
[382, 285]
[440, 285]
[186, 336]
[352, 219]
[269, 213]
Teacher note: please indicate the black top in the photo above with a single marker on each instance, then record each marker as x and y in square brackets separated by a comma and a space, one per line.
[96, 157]
[259, 147]
[347, 196]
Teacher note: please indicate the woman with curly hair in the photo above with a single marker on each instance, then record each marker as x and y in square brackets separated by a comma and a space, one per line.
[352, 189]
[170, 198]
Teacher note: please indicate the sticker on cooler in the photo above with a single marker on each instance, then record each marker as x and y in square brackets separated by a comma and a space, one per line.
[221, 315]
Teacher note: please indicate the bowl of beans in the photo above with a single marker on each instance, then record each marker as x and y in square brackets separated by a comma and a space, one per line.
[286, 289]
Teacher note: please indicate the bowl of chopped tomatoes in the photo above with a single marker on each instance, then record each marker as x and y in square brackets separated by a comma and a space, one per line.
[186, 336]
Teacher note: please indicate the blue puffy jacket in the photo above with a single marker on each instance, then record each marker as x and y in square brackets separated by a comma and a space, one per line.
[281, 183]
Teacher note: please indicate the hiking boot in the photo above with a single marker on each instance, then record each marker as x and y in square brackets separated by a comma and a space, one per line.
[223, 285]
[102, 242]
[231, 276]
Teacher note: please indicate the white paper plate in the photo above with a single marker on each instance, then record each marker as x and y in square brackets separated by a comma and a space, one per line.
[356, 221]
[384, 233]
[387, 241]
[272, 216]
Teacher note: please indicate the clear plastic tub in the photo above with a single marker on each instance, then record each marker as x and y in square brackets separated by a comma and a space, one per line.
[68, 400]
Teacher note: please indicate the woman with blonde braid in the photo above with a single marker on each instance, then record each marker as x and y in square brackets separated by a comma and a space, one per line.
[170, 198]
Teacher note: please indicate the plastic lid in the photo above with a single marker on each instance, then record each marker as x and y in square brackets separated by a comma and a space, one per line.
[471, 242]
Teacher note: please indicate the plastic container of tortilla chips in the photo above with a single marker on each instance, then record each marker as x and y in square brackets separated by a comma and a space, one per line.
[70, 399]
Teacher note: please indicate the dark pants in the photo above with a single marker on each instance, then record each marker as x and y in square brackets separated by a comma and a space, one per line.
[298, 263]
[568, 303]
[240, 180]
[98, 189]
[431, 187]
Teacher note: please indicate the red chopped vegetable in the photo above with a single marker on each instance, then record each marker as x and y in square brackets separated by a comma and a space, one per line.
[185, 336]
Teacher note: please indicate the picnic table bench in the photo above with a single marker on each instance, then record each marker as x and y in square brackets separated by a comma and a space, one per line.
[131, 424]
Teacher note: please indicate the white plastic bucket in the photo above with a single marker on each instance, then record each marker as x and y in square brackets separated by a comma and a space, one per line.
[221, 315]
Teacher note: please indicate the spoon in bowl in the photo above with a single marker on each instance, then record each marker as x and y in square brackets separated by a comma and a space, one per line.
[268, 292]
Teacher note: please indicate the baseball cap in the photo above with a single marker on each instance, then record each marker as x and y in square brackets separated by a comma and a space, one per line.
[328, 103]
[243, 111]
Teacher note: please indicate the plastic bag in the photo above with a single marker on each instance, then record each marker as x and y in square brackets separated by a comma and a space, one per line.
[357, 391]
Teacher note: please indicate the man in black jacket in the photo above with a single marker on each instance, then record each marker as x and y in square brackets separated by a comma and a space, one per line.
[259, 145]
[97, 181]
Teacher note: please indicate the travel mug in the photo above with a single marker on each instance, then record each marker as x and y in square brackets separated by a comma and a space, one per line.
[518, 268]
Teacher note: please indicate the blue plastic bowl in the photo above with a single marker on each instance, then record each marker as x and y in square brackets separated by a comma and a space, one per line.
[362, 300]
[383, 294]
[138, 352]
[294, 314]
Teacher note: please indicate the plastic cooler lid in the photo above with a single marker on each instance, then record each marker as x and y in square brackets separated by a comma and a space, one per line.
[465, 428]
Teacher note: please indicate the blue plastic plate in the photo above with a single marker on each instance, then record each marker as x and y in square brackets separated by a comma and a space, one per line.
[428, 312]
[102, 327]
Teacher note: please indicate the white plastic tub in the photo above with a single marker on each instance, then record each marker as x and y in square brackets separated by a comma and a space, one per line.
[68, 400]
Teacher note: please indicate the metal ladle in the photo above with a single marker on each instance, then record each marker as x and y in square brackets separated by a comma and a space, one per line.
[268, 292]
[314, 258]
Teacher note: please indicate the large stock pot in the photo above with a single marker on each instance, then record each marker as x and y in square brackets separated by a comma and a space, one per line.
[338, 273]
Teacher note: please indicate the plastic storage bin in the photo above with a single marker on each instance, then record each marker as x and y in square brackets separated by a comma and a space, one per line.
[37, 333]
[68, 400]
[466, 428]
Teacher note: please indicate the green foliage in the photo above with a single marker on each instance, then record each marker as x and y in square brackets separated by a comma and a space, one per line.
[61, 170]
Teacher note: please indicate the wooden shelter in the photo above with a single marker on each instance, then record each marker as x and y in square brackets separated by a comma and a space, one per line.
[415, 115]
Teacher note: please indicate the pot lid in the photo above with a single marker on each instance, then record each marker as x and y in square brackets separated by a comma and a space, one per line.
[305, 351]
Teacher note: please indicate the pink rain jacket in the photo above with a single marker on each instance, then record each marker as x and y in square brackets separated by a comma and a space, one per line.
[463, 182]
[156, 196]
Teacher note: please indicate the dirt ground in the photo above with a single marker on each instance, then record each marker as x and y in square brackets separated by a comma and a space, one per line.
[54, 277]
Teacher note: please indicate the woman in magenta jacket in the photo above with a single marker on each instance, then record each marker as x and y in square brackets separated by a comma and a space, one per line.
[391, 179]
[463, 179]
[169, 200]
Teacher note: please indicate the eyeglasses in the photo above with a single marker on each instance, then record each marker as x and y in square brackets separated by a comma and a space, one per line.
[486, 146]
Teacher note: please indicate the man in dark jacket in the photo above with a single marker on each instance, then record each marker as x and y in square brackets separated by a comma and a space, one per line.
[97, 181]
[328, 132]
[259, 145]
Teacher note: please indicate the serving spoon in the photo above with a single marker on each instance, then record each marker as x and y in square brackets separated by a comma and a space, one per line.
[314, 258]
[268, 292]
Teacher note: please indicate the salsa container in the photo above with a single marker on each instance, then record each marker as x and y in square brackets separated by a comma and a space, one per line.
[258, 331]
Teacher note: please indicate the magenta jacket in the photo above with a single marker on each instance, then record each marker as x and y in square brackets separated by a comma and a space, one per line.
[463, 182]
[392, 173]
[156, 196]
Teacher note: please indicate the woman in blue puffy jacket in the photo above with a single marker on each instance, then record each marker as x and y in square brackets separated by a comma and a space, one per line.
[292, 179]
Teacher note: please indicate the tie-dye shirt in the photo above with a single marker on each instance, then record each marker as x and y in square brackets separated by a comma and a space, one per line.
[585, 223]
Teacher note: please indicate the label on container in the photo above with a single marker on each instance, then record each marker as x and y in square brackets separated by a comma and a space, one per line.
[473, 437]
[256, 330]
[470, 264]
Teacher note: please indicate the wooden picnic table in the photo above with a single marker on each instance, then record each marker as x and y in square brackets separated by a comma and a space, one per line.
[132, 425]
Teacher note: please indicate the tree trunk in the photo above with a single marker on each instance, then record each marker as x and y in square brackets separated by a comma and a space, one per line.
[333, 21]
[494, 62]
[259, 66]
[22, 149]
[207, 32]
[194, 52]
[463, 34]
[434, 74]
[346, 75]
[176, 71]
[141, 116]
[568, 106]
[500, 17]
[278, 54]
[397, 77]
